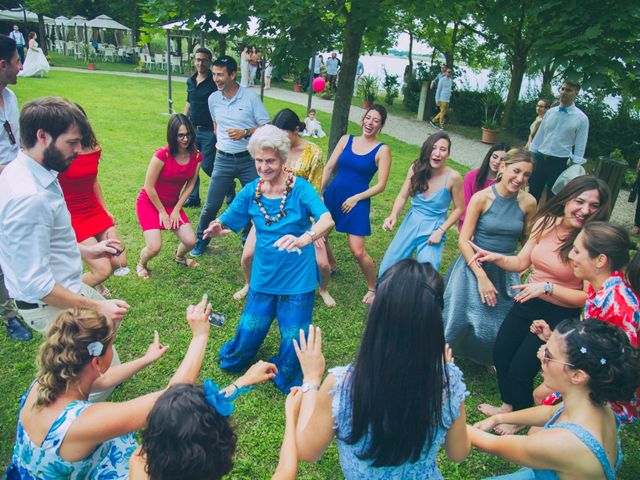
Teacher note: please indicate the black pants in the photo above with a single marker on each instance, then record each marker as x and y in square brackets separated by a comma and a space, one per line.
[516, 348]
[545, 174]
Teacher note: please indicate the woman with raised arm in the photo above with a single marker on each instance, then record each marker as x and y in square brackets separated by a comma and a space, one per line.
[432, 186]
[348, 195]
[477, 299]
[591, 363]
[552, 291]
[402, 397]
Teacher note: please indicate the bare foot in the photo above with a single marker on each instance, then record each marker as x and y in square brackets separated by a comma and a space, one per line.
[369, 296]
[489, 410]
[142, 272]
[240, 294]
[507, 429]
[327, 298]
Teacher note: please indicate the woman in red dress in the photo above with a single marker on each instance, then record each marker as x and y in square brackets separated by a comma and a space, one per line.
[170, 178]
[90, 219]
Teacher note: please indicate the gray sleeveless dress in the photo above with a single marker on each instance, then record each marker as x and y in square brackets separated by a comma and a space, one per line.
[470, 325]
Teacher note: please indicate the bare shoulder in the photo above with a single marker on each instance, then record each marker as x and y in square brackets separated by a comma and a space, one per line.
[527, 201]
[455, 179]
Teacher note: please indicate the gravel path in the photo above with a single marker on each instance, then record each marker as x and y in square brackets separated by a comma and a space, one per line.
[466, 151]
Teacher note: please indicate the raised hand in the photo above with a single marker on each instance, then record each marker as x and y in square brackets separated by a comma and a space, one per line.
[215, 229]
[198, 317]
[309, 354]
[156, 349]
[541, 329]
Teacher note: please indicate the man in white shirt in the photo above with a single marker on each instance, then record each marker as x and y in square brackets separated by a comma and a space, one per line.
[561, 137]
[17, 37]
[39, 254]
[9, 146]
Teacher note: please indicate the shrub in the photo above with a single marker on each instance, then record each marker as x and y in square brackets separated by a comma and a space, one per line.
[391, 87]
[413, 84]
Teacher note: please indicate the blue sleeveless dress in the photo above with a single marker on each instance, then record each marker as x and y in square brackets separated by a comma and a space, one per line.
[109, 461]
[424, 218]
[354, 175]
[471, 326]
[585, 437]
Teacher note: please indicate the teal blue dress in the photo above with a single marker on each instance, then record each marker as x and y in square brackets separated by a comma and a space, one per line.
[424, 218]
[109, 461]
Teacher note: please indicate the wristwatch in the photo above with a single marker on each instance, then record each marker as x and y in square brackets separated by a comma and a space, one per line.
[247, 133]
[311, 233]
[547, 288]
[309, 386]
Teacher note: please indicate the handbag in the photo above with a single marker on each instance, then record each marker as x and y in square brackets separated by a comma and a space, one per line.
[568, 174]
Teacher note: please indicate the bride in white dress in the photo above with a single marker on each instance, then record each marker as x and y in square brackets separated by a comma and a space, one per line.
[35, 63]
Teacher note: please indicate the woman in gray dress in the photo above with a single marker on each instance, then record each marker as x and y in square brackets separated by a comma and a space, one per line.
[477, 298]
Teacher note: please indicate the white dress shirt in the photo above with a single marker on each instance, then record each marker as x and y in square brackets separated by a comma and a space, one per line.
[18, 37]
[563, 134]
[10, 113]
[38, 246]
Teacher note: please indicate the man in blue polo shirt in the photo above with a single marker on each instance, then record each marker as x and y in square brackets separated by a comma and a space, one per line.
[200, 86]
[236, 113]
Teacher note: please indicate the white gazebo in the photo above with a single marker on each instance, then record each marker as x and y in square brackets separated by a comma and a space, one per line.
[103, 22]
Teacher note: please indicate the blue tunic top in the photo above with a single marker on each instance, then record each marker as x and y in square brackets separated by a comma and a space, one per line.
[273, 271]
[425, 467]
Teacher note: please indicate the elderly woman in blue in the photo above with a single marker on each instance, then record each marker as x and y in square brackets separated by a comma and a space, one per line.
[284, 274]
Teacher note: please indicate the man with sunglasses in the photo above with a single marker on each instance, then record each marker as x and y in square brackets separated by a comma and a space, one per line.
[10, 65]
[236, 112]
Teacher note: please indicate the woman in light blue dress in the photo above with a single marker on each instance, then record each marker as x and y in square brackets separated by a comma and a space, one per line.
[402, 397]
[591, 363]
[432, 185]
[478, 298]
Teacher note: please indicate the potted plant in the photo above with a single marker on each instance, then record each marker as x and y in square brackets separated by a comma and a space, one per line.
[368, 88]
[88, 53]
[391, 87]
[297, 82]
[492, 103]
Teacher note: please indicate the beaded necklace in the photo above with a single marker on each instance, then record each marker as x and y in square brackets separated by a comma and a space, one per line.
[287, 190]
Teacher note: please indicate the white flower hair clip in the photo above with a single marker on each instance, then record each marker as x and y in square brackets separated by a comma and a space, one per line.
[583, 349]
[95, 349]
[603, 361]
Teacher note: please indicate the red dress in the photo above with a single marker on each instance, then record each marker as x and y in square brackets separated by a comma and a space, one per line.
[170, 183]
[88, 216]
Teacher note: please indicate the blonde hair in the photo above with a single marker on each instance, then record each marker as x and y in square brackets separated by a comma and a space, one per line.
[516, 155]
[65, 352]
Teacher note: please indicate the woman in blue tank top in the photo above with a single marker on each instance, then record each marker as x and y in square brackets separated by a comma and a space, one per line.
[348, 195]
[591, 363]
[432, 185]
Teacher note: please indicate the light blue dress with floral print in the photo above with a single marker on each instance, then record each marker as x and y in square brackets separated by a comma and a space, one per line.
[425, 467]
[109, 461]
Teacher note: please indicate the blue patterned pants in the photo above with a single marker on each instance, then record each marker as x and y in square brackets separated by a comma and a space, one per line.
[293, 313]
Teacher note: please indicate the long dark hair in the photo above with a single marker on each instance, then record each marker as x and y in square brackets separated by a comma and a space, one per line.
[287, 119]
[175, 122]
[422, 165]
[483, 171]
[554, 209]
[613, 241]
[402, 351]
[89, 140]
[186, 437]
[603, 352]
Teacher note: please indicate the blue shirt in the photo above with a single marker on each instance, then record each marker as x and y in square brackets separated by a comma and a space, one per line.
[563, 134]
[244, 110]
[443, 92]
[273, 271]
[332, 66]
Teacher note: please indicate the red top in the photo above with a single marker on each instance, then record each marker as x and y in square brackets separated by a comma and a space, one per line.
[78, 182]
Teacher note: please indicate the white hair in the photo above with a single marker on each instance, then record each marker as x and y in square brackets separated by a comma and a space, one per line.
[270, 136]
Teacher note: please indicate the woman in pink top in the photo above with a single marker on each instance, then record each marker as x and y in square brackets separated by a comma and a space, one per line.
[552, 292]
[483, 177]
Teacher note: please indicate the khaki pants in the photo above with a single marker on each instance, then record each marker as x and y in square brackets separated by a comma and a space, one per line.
[42, 317]
[444, 107]
[7, 307]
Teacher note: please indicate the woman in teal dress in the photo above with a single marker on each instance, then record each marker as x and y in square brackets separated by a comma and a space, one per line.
[591, 363]
[477, 298]
[432, 185]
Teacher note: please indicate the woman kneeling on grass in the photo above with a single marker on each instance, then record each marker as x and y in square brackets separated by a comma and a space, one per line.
[590, 363]
[402, 397]
[171, 175]
[61, 435]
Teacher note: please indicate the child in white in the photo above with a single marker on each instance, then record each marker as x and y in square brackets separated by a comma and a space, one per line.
[313, 127]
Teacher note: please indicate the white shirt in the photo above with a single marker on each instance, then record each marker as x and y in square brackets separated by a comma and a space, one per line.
[317, 65]
[38, 246]
[563, 134]
[17, 36]
[11, 113]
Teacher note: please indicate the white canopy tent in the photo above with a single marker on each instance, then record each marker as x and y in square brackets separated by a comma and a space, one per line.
[103, 22]
[19, 15]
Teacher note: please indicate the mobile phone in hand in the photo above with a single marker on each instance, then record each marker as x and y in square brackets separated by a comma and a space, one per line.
[217, 319]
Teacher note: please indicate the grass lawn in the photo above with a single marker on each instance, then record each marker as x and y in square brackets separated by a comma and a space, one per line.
[127, 116]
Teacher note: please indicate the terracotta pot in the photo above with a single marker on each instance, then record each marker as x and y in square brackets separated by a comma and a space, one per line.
[489, 136]
[91, 66]
[367, 104]
[297, 87]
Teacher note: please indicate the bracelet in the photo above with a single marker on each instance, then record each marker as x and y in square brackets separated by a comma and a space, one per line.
[312, 234]
[309, 386]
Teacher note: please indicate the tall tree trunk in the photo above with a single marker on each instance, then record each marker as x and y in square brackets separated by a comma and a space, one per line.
[42, 34]
[548, 72]
[222, 45]
[518, 66]
[410, 52]
[362, 11]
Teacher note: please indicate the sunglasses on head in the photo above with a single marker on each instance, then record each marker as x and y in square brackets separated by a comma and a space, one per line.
[546, 357]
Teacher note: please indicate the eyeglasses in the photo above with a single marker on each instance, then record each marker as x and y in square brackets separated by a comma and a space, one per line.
[182, 136]
[7, 128]
[546, 357]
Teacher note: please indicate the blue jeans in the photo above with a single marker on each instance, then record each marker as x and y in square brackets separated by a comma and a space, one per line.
[225, 170]
[206, 143]
[293, 312]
